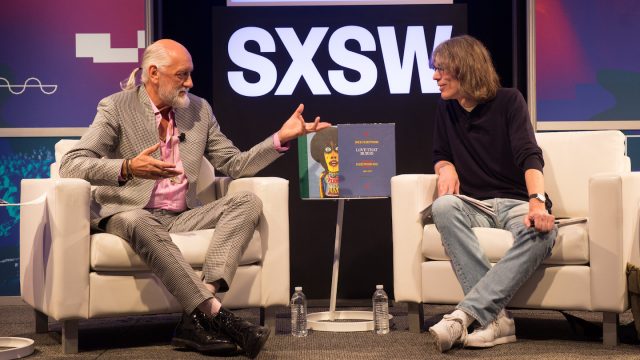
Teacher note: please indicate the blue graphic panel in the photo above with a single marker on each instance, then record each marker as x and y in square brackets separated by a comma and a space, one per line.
[633, 151]
[20, 158]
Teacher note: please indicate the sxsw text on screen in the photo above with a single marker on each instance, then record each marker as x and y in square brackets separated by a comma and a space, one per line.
[399, 70]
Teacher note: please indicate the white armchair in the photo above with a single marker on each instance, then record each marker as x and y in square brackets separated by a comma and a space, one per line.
[586, 174]
[68, 274]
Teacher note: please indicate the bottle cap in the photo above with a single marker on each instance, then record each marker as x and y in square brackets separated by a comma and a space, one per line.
[298, 288]
[379, 287]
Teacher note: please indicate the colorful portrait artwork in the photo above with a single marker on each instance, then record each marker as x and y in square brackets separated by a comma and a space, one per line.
[324, 150]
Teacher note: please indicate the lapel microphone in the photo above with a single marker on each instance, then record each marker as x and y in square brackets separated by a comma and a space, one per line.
[182, 137]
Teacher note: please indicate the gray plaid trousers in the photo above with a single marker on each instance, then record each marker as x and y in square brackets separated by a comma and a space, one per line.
[234, 217]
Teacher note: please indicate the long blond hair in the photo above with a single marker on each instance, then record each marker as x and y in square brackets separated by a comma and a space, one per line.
[469, 61]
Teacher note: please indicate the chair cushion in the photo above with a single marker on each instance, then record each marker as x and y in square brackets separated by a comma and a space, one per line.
[571, 247]
[112, 253]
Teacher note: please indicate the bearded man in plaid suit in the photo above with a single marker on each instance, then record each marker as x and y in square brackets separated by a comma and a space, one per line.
[142, 153]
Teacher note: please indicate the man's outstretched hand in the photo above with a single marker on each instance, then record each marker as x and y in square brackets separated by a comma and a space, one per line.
[146, 167]
[296, 126]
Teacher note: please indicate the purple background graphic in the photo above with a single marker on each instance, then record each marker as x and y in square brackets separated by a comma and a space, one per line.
[587, 64]
[38, 40]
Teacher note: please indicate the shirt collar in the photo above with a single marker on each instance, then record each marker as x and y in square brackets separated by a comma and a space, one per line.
[155, 109]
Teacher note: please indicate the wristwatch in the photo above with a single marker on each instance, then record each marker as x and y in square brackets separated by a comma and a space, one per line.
[539, 197]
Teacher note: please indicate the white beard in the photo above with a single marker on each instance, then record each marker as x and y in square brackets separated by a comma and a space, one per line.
[174, 99]
[180, 101]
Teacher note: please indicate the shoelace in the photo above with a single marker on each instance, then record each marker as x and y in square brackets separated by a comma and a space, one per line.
[496, 328]
[456, 332]
[237, 324]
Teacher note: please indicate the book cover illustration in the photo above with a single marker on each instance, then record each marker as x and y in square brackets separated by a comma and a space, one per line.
[364, 169]
[319, 164]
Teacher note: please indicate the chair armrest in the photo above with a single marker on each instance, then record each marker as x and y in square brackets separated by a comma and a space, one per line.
[274, 232]
[54, 247]
[613, 237]
[409, 195]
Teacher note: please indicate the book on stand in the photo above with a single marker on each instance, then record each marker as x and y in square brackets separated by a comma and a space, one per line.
[347, 161]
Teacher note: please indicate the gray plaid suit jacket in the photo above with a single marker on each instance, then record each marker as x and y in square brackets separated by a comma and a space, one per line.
[125, 125]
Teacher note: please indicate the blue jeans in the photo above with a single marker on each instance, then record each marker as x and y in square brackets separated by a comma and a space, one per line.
[489, 289]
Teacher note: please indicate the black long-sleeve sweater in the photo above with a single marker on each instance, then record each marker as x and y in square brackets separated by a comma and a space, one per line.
[491, 146]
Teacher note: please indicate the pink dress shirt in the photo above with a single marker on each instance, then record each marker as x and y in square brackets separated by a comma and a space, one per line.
[169, 194]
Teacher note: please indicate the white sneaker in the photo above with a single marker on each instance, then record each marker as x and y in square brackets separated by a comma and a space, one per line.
[447, 332]
[500, 331]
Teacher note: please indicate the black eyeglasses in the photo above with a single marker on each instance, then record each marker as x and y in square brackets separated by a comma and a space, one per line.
[438, 69]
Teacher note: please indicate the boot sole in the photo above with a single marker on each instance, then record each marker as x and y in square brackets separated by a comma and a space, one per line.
[255, 348]
[179, 342]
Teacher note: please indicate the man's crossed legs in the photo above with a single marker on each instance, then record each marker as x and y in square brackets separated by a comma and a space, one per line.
[487, 289]
[205, 325]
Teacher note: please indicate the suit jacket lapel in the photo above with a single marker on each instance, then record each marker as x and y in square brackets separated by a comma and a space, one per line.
[147, 120]
[190, 160]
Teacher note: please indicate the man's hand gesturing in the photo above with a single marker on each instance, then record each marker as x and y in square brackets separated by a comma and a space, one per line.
[146, 167]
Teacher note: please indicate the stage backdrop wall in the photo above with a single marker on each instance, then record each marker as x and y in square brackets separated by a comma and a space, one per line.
[58, 59]
[299, 39]
[31, 48]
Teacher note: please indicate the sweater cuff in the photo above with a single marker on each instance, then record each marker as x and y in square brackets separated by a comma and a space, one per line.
[533, 162]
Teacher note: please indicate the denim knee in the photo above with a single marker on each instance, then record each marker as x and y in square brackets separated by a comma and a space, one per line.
[444, 206]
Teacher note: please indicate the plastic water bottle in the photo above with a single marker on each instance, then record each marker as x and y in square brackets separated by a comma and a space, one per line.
[380, 311]
[298, 313]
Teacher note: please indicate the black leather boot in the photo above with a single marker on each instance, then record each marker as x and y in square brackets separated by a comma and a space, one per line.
[194, 331]
[249, 337]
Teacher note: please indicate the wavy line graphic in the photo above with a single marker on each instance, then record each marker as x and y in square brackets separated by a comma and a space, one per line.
[46, 89]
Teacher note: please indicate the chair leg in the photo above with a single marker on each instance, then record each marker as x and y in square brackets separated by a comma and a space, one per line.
[610, 328]
[42, 322]
[70, 336]
[268, 318]
[415, 317]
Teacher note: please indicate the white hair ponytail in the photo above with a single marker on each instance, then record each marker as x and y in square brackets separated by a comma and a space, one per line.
[130, 82]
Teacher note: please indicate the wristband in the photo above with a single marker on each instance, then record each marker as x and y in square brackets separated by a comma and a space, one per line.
[129, 172]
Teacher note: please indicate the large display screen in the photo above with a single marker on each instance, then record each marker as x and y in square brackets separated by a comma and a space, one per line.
[587, 68]
[59, 58]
